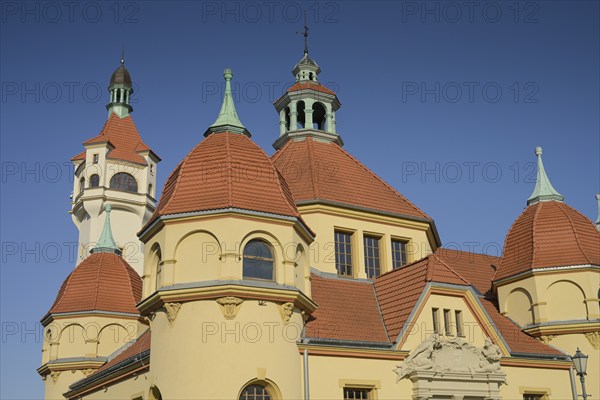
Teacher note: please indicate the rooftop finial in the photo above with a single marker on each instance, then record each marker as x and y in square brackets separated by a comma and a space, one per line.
[106, 243]
[305, 34]
[598, 219]
[544, 191]
[123, 56]
[228, 120]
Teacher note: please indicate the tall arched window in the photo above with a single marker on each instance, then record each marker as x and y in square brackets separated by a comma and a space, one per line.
[123, 181]
[258, 260]
[255, 392]
[94, 181]
[81, 185]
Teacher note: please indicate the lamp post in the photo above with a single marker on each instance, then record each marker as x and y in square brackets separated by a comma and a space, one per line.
[580, 363]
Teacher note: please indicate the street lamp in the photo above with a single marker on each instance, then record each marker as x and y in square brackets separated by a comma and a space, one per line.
[580, 362]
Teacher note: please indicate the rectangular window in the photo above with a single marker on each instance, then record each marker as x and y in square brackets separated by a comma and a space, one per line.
[95, 158]
[398, 253]
[459, 323]
[448, 322]
[343, 253]
[533, 396]
[436, 320]
[357, 393]
[372, 267]
[151, 169]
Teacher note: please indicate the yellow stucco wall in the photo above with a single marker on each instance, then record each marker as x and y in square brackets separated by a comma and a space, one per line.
[324, 220]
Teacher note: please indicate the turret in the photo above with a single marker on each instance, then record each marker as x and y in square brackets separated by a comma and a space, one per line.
[93, 315]
[119, 169]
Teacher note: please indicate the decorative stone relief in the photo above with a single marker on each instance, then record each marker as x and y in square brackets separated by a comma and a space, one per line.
[172, 310]
[230, 306]
[594, 338]
[54, 375]
[453, 355]
[88, 371]
[286, 310]
[546, 338]
[453, 367]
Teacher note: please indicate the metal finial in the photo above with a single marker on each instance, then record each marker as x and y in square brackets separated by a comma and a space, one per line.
[123, 56]
[305, 34]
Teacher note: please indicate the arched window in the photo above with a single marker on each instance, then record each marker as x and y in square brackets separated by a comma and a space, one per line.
[123, 181]
[319, 116]
[94, 181]
[81, 185]
[255, 392]
[301, 118]
[258, 260]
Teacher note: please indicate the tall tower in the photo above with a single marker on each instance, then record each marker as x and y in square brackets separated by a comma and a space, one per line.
[119, 169]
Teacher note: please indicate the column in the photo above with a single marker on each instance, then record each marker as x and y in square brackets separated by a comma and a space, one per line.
[293, 116]
[282, 122]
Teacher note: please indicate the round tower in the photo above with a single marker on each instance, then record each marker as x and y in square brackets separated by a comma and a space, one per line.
[226, 272]
[94, 314]
[547, 281]
[119, 169]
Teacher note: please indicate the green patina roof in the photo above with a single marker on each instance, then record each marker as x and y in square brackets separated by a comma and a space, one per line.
[228, 120]
[106, 243]
[544, 191]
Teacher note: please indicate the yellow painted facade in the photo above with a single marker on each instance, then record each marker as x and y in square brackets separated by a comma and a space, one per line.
[215, 331]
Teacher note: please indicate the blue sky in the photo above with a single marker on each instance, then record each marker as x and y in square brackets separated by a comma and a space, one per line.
[444, 100]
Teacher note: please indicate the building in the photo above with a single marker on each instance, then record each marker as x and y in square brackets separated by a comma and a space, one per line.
[304, 275]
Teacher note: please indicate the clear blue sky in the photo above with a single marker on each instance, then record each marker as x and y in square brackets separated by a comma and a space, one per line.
[443, 100]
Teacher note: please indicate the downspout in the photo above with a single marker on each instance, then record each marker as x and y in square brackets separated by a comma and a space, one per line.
[306, 387]
[573, 386]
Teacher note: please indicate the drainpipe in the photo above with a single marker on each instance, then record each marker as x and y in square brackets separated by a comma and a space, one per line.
[573, 386]
[306, 395]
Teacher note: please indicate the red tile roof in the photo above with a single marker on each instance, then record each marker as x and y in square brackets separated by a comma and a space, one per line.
[399, 290]
[549, 234]
[310, 85]
[477, 269]
[324, 171]
[122, 134]
[517, 340]
[347, 310]
[226, 170]
[101, 282]
[141, 344]
[351, 310]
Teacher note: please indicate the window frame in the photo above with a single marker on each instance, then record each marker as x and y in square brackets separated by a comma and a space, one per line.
[370, 391]
[377, 239]
[458, 318]
[435, 314]
[448, 322]
[131, 179]
[272, 259]
[405, 243]
[95, 158]
[91, 185]
[350, 255]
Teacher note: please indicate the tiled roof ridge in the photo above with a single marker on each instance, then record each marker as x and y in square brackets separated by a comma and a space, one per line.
[394, 191]
[385, 328]
[451, 269]
[178, 170]
[280, 180]
[228, 171]
[315, 185]
[129, 271]
[560, 207]
[59, 296]
[392, 271]
[98, 273]
[533, 225]
[279, 152]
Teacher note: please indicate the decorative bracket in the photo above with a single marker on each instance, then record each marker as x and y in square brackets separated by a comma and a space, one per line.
[286, 310]
[230, 306]
[172, 310]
